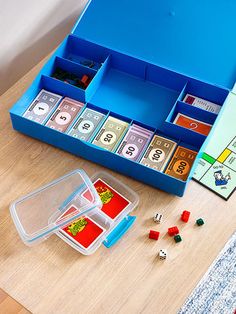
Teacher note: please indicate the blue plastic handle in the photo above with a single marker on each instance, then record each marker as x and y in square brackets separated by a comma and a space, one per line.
[119, 231]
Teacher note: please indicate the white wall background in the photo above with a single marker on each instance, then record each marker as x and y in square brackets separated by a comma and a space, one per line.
[29, 30]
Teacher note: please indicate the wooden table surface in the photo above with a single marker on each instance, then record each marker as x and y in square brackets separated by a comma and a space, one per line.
[129, 278]
[10, 306]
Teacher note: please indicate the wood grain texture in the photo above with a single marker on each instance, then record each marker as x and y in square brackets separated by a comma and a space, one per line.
[128, 278]
[9, 306]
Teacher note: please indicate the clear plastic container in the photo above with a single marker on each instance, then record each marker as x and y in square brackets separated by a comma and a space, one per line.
[83, 212]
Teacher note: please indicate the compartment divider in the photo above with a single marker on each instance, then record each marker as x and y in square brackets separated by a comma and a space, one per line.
[76, 119]
[206, 91]
[76, 65]
[72, 67]
[127, 80]
[100, 125]
[194, 112]
[63, 89]
[88, 50]
[98, 78]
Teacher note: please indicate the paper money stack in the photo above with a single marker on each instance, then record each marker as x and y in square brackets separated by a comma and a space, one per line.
[65, 114]
[87, 124]
[181, 163]
[158, 153]
[111, 133]
[134, 142]
[42, 106]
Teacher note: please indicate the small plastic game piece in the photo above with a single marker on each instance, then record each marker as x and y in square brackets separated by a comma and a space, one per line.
[177, 238]
[162, 254]
[200, 222]
[154, 235]
[185, 216]
[85, 80]
[173, 231]
[72, 79]
[158, 218]
[87, 63]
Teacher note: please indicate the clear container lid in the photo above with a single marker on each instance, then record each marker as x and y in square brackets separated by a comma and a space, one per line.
[44, 211]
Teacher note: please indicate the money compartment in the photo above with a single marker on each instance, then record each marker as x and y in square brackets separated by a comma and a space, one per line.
[125, 87]
[83, 121]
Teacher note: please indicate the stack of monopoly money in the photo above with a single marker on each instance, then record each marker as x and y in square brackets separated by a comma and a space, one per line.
[134, 142]
[65, 114]
[42, 106]
[202, 103]
[87, 124]
[111, 133]
[181, 163]
[158, 153]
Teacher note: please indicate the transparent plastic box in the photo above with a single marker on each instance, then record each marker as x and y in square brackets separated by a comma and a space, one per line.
[73, 208]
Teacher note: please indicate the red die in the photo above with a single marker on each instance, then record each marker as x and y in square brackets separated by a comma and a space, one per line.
[154, 235]
[173, 231]
[185, 216]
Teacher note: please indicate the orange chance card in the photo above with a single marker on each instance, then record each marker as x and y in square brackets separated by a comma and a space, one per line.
[192, 124]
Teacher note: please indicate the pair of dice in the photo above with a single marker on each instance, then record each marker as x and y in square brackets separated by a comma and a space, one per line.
[158, 219]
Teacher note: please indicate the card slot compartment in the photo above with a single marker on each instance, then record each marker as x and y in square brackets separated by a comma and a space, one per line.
[120, 187]
[184, 134]
[193, 112]
[97, 242]
[99, 155]
[187, 135]
[205, 91]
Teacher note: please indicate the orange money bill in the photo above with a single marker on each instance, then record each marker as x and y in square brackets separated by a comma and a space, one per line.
[181, 163]
[192, 124]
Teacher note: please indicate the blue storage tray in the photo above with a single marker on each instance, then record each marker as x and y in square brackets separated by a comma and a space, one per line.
[149, 61]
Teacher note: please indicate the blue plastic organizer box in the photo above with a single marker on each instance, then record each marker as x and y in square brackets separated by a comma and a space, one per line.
[151, 54]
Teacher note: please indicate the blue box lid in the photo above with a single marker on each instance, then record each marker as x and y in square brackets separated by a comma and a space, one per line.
[195, 38]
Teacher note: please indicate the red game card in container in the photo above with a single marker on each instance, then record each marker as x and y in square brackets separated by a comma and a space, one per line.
[77, 209]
